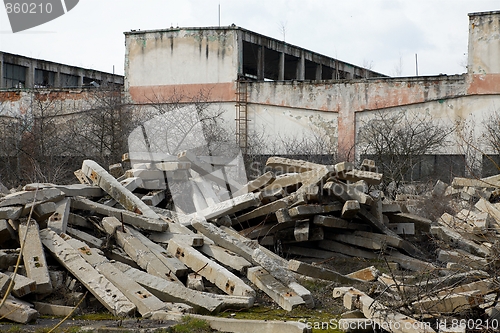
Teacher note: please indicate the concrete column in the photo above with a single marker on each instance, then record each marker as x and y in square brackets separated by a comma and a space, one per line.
[80, 81]
[57, 79]
[30, 76]
[281, 73]
[260, 63]
[239, 45]
[346, 134]
[319, 71]
[301, 68]
[1, 71]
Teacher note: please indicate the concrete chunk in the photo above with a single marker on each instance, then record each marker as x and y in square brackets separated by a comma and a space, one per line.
[58, 221]
[52, 309]
[22, 285]
[284, 296]
[18, 311]
[109, 296]
[27, 197]
[11, 212]
[350, 209]
[34, 257]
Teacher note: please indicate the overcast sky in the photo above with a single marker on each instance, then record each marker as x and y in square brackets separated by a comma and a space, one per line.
[383, 35]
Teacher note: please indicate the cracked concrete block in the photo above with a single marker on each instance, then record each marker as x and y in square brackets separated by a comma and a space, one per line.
[195, 282]
[22, 285]
[34, 257]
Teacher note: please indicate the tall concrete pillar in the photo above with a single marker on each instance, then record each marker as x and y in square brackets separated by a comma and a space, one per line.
[301, 68]
[281, 71]
[484, 43]
[1, 71]
[319, 71]
[260, 63]
[30, 76]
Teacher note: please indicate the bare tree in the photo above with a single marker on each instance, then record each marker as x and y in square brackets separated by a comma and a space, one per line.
[398, 142]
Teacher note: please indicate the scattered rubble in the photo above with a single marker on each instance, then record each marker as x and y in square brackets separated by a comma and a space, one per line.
[117, 236]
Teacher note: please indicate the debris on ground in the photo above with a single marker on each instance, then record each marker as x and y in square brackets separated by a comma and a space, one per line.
[117, 240]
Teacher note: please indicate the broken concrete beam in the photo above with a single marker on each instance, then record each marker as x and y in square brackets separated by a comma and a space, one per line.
[22, 285]
[410, 263]
[116, 170]
[301, 231]
[81, 177]
[142, 250]
[463, 258]
[11, 212]
[381, 315]
[284, 296]
[230, 206]
[485, 206]
[350, 209]
[269, 208]
[84, 190]
[154, 198]
[364, 242]
[226, 257]
[439, 189]
[266, 229]
[287, 165]
[335, 222]
[368, 274]
[449, 303]
[257, 183]
[18, 311]
[153, 224]
[312, 252]
[206, 189]
[84, 237]
[28, 197]
[311, 210]
[469, 182]
[381, 238]
[239, 325]
[4, 283]
[207, 171]
[222, 238]
[58, 221]
[283, 274]
[53, 310]
[34, 257]
[213, 272]
[8, 258]
[116, 190]
[79, 221]
[371, 178]
[173, 292]
[142, 299]
[164, 237]
[346, 249]
[455, 239]
[402, 228]
[422, 225]
[319, 272]
[109, 296]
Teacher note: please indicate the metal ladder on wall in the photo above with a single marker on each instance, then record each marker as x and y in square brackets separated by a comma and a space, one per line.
[242, 114]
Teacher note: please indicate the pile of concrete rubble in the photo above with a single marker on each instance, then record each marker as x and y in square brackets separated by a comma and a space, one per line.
[112, 236]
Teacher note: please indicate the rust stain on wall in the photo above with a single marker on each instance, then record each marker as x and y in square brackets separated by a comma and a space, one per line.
[484, 84]
[10, 96]
[184, 93]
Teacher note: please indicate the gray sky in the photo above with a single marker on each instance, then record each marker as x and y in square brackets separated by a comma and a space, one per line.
[381, 34]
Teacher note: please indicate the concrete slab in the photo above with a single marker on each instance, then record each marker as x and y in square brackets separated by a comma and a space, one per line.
[109, 296]
[34, 257]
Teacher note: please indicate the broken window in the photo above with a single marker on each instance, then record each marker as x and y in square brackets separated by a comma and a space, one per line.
[14, 76]
[44, 78]
[69, 81]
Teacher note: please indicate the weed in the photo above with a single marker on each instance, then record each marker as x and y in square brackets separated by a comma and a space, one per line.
[191, 325]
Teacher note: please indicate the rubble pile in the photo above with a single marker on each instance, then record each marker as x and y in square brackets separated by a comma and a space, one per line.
[116, 236]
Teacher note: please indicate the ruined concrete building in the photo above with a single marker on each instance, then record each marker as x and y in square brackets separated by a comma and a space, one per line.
[275, 91]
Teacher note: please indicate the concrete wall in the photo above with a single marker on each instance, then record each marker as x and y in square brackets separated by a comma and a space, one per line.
[192, 60]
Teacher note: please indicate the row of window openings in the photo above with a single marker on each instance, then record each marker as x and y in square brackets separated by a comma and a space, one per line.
[14, 76]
